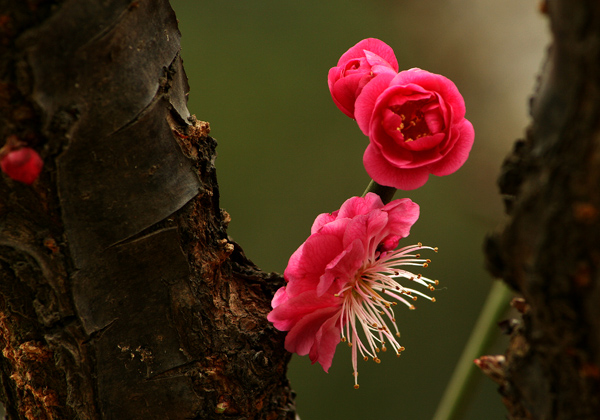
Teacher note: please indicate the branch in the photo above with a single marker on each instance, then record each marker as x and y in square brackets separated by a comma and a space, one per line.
[121, 295]
[549, 250]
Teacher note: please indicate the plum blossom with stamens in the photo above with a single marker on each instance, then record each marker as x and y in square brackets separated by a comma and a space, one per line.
[345, 281]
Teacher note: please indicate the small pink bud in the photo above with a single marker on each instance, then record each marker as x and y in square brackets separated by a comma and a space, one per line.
[23, 165]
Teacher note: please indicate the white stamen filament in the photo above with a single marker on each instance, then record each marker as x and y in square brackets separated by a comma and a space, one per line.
[365, 305]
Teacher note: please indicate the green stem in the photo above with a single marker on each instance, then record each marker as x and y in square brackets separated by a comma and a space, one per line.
[386, 193]
[485, 330]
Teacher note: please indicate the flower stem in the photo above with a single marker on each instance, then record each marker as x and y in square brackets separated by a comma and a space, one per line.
[483, 333]
[386, 193]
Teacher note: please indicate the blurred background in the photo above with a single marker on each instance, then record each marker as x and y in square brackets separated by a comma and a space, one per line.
[258, 74]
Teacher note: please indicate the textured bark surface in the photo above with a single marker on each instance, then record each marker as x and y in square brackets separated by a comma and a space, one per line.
[550, 249]
[121, 296]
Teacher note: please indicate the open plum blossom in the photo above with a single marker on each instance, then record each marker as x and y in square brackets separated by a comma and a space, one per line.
[23, 165]
[344, 281]
[416, 125]
[356, 68]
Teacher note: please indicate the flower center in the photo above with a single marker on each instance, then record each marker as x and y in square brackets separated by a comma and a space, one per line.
[412, 122]
[368, 306]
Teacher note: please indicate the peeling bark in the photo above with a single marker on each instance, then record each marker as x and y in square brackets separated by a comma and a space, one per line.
[121, 295]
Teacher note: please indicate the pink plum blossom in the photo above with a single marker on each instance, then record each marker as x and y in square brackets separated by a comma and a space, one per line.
[416, 125]
[344, 281]
[23, 165]
[356, 68]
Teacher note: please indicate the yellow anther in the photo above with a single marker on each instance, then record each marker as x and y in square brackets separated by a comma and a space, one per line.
[401, 348]
[437, 282]
[412, 307]
[425, 265]
[419, 244]
[414, 298]
[377, 349]
[433, 299]
[435, 249]
[377, 360]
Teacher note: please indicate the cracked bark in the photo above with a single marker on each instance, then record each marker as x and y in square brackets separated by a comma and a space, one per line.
[549, 250]
[121, 296]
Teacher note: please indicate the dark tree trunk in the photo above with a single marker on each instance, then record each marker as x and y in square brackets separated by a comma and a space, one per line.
[121, 296]
[550, 249]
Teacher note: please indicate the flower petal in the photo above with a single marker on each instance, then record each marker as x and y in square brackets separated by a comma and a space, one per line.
[343, 267]
[459, 154]
[326, 340]
[366, 101]
[383, 173]
[372, 45]
[290, 312]
[302, 336]
[360, 205]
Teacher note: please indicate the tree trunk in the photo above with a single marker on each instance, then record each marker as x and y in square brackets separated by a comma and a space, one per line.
[121, 296]
[550, 249]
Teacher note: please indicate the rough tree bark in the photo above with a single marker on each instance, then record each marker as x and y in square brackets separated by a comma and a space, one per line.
[550, 249]
[121, 296]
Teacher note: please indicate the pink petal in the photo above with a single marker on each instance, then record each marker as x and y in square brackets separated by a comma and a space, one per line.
[280, 297]
[385, 174]
[344, 91]
[424, 143]
[343, 267]
[367, 228]
[290, 312]
[367, 100]
[302, 335]
[360, 205]
[402, 214]
[373, 45]
[23, 165]
[308, 263]
[459, 153]
[436, 83]
[326, 341]
[321, 220]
